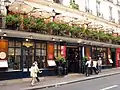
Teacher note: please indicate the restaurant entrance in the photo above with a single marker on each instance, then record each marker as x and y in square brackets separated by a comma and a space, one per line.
[74, 59]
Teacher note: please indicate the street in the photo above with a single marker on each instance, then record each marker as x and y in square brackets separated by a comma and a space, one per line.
[105, 83]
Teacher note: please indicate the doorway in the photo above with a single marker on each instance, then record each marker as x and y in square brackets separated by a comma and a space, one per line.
[113, 57]
[73, 59]
[28, 58]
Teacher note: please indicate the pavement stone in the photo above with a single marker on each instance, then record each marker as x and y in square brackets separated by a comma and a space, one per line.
[53, 81]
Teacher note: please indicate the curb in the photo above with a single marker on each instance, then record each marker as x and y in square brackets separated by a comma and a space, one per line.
[70, 82]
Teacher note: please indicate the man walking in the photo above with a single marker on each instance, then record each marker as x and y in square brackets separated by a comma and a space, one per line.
[99, 64]
[89, 65]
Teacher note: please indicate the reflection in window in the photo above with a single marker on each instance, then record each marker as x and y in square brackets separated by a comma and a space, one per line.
[14, 58]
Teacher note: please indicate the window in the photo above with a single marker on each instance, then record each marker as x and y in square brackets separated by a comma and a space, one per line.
[118, 16]
[98, 8]
[41, 54]
[110, 12]
[87, 6]
[14, 54]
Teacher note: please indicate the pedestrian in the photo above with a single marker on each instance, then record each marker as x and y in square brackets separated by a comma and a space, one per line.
[33, 73]
[94, 67]
[89, 65]
[99, 64]
[38, 71]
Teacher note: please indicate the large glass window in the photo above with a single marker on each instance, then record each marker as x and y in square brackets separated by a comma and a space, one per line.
[41, 54]
[14, 55]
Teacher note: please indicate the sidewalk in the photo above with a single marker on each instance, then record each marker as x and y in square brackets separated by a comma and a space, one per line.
[53, 81]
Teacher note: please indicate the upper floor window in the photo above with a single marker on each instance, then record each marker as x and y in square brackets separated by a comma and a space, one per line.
[118, 16]
[87, 6]
[98, 8]
[110, 13]
[118, 2]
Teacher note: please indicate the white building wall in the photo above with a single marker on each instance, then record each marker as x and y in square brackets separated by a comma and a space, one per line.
[92, 4]
[66, 3]
[81, 4]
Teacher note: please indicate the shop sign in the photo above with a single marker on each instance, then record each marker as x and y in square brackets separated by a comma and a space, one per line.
[50, 50]
[27, 44]
[3, 53]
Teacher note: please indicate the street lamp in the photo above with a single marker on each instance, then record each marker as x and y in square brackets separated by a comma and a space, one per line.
[54, 13]
[7, 3]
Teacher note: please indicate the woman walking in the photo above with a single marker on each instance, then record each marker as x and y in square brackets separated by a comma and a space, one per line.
[33, 73]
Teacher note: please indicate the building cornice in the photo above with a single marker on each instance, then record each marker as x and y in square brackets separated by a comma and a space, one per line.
[36, 36]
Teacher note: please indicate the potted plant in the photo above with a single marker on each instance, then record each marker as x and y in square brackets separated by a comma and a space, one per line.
[38, 25]
[12, 21]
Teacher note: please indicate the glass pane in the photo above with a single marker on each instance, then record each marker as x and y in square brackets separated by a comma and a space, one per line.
[11, 44]
[43, 53]
[43, 46]
[17, 62]
[18, 44]
[11, 60]
[55, 53]
[38, 45]
[11, 51]
[37, 52]
[55, 46]
[59, 47]
[18, 51]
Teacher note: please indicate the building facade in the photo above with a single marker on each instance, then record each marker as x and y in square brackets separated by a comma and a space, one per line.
[23, 48]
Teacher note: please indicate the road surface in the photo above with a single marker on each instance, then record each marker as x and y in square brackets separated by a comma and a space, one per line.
[105, 83]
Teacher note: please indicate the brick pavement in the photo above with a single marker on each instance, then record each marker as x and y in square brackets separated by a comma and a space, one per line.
[51, 81]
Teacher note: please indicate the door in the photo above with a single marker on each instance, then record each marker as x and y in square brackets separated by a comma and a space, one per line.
[73, 59]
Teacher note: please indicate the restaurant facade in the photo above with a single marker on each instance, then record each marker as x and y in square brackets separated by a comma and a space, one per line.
[19, 49]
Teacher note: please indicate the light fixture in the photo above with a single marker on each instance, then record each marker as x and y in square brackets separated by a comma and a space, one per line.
[4, 34]
[27, 39]
[1, 37]
[60, 40]
[53, 39]
[79, 41]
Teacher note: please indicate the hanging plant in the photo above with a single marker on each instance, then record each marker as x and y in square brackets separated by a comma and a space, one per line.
[53, 28]
[63, 29]
[74, 30]
[38, 25]
[13, 21]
